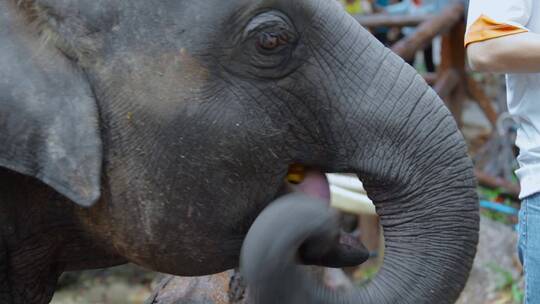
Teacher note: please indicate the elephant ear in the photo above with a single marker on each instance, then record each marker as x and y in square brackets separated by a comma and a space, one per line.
[48, 116]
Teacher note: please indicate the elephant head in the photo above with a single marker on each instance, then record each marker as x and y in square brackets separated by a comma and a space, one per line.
[175, 122]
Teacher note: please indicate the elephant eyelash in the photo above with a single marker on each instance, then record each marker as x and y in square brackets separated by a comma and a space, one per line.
[270, 27]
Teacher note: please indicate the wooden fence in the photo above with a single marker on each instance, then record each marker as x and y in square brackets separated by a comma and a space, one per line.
[451, 81]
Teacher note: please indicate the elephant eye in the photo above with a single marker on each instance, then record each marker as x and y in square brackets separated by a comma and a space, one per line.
[271, 32]
[268, 46]
[272, 41]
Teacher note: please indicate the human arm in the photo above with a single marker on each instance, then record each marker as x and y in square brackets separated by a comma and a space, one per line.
[518, 53]
[498, 39]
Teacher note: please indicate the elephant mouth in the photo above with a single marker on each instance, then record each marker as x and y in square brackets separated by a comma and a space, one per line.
[310, 181]
[314, 183]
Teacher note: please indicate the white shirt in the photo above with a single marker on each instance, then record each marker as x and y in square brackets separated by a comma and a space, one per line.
[523, 89]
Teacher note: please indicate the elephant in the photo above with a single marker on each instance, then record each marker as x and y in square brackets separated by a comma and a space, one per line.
[156, 131]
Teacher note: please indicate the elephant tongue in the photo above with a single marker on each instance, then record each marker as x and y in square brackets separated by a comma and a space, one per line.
[314, 184]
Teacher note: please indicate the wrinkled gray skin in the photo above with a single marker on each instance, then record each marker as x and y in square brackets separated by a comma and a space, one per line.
[270, 262]
[155, 131]
[270, 253]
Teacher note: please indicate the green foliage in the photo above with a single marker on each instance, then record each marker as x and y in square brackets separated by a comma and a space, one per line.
[517, 294]
[507, 283]
[496, 216]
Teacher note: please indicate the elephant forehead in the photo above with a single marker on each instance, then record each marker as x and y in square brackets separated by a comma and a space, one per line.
[205, 26]
[157, 83]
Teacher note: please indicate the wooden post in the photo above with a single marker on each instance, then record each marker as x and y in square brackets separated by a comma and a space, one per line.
[408, 46]
[453, 63]
[430, 78]
[483, 101]
[447, 83]
[385, 20]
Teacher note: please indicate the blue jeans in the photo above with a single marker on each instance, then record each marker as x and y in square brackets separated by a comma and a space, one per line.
[529, 246]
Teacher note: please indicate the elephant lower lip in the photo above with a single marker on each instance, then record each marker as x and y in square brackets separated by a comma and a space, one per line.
[314, 184]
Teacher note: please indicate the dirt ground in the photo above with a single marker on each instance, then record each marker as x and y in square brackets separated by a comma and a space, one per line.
[126, 284]
[496, 277]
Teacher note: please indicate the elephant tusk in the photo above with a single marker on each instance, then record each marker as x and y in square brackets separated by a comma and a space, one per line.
[348, 194]
[346, 191]
[346, 181]
[349, 201]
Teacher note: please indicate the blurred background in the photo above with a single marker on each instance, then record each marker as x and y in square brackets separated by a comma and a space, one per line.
[429, 35]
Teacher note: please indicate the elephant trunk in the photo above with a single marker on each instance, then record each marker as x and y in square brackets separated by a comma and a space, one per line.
[416, 170]
[413, 162]
[394, 132]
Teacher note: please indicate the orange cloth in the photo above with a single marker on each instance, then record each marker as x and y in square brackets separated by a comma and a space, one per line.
[485, 28]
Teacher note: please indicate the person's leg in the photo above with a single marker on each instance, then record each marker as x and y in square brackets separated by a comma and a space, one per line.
[382, 36]
[428, 58]
[529, 246]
